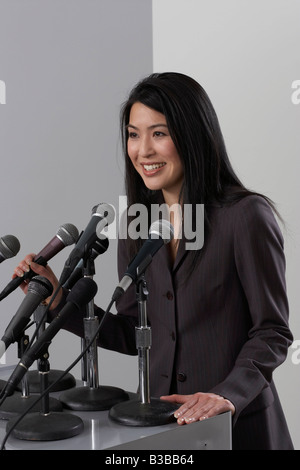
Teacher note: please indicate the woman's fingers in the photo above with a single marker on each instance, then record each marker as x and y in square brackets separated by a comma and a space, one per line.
[199, 406]
[24, 266]
[28, 264]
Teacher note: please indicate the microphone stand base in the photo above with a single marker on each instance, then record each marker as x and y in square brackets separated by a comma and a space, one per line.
[136, 413]
[17, 404]
[33, 377]
[93, 399]
[50, 427]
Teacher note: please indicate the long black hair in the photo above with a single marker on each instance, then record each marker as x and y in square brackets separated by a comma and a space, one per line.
[194, 127]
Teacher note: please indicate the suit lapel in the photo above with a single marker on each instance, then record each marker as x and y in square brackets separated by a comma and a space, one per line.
[181, 255]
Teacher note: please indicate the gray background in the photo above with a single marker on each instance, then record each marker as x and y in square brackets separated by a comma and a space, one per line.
[246, 55]
[68, 65]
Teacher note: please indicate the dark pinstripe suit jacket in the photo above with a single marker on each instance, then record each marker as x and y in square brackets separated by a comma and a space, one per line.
[225, 328]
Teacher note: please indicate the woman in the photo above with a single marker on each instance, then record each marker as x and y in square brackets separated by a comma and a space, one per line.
[218, 313]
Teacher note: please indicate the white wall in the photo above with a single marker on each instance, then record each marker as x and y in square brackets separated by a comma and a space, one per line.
[246, 55]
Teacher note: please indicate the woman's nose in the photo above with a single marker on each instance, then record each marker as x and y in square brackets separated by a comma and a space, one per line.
[145, 147]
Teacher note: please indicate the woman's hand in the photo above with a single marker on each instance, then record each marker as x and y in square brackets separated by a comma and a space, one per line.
[25, 265]
[199, 406]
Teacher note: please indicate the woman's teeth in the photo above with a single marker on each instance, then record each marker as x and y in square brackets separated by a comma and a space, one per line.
[155, 166]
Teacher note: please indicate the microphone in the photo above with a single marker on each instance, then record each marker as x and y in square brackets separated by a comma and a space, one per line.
[98, 248]
[102, 215]
[39, 288]
[67, 234]
[9, 247]
[81, 294]
[161, 232]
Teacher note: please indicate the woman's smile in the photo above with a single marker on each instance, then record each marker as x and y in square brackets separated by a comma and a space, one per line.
[153, 168]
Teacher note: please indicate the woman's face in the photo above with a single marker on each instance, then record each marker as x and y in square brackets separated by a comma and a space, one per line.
[152, 151]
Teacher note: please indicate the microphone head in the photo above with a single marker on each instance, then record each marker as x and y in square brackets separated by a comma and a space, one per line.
[9, 246]
[83, 292]
[162, 229]
[105, 211]
[41, 286]
[68, 234]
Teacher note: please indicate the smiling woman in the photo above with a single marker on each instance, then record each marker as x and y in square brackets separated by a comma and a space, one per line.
[153, 153]
[208, 345]
[218, 313]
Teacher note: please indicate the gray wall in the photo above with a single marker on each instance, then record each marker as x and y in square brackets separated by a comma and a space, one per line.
[246, 55]
[67, 65]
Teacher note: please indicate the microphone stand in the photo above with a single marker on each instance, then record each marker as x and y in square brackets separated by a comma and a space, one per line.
[145, 411]
[92, 396]
[18, 403]
[2, 385]
[45, 425]
[33, 376]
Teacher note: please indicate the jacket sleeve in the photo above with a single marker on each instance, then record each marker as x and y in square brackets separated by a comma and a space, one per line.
[117, 331]
[260, 263]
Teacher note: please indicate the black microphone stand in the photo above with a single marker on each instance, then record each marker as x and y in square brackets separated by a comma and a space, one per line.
[92, 396]
[33, 376]
[45, 425]
[145, 411]
[18, 403]
[2, 385]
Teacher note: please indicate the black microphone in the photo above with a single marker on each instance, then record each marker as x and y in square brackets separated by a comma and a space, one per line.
[98, 248]
[161, 232]
[81, 294]
[39, 288]
[102, 215]
[66, 235]
[9, 247]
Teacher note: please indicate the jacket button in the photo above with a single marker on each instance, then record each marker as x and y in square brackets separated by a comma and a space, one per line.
[181, 377]
[169, 295]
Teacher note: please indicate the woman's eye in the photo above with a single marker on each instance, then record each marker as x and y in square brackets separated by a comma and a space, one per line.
[132, 135]
[158, 134]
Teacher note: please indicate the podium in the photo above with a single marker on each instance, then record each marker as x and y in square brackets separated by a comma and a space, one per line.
[102, 433]
[210, 434]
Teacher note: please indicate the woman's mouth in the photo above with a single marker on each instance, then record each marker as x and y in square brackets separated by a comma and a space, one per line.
[152, 168]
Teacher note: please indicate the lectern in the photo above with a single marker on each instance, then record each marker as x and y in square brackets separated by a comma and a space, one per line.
[210, 434]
